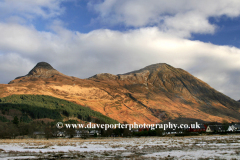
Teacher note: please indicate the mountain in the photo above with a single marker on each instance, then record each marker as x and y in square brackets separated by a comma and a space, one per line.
[153, 94]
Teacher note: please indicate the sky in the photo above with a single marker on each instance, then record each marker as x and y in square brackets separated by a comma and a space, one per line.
[82, 38]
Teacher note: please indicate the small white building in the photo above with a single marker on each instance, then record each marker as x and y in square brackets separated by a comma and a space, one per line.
[234, 128]
[59, 134]
[80, 133]
[215, 128]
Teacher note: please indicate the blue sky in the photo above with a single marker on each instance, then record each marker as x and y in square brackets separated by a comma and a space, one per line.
[227, 33]
[85, 37]
[78, 16]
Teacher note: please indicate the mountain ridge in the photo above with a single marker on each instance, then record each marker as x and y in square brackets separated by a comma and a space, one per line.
[155, 93]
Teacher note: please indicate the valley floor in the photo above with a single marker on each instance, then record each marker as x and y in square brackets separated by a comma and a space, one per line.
[199, 147]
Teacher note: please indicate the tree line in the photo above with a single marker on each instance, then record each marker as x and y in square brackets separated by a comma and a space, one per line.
[42, 106]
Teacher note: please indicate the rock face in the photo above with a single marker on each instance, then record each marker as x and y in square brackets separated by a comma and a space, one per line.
[104, 76]
[153, 94]
[41, 68]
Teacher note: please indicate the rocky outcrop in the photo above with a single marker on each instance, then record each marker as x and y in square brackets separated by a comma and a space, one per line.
[104, 76]
[41, 70]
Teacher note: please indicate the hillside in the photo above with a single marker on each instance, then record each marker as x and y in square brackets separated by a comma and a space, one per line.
[152, 94]
[33, 107]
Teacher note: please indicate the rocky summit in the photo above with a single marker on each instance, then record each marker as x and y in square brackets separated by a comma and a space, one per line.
[44, 70]
[153, 94]
[41, 70]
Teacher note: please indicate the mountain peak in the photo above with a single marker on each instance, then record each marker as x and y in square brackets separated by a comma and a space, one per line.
[43, 70]
[44, 65]
[150, 68]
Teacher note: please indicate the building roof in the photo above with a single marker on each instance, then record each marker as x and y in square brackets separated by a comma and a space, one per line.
[215, 127]
[236, 125]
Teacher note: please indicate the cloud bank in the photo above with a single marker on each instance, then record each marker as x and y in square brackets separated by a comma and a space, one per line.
[177, 17]
[30, 9]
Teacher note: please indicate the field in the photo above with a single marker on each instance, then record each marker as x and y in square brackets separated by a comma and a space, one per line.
[198, 147]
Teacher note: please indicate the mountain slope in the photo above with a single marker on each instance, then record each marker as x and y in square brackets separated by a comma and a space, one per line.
[153, 94]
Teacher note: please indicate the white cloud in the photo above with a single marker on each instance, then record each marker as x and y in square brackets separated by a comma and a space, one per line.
[30, 9]
[181, 17]
[12, 65]
[83, 55]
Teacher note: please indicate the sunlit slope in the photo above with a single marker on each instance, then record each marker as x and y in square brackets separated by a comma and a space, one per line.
[152, 94]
